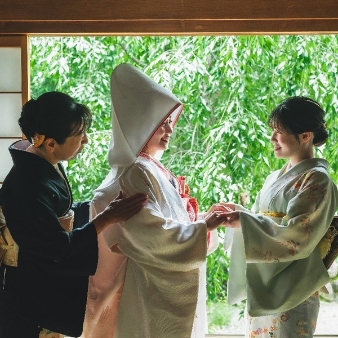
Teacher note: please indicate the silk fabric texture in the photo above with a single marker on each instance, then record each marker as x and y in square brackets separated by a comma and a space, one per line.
[152, 283]
[275, 263]
[53, 264]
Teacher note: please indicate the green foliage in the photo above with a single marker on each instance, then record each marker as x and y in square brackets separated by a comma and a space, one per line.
[229, 85]
[219, 315]
[217, 275]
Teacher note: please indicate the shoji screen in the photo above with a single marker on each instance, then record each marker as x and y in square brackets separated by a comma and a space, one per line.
[13, 93]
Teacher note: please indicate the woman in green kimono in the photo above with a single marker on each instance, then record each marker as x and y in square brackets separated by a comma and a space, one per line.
[44, 276]
[276, 262]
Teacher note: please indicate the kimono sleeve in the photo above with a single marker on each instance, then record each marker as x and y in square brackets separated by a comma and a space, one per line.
[161, 234]
[34, 225]
[308, 214]
[81, 213]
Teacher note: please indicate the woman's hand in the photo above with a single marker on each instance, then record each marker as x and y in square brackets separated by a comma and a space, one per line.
[216, 215]
[214, 219]
[120, 209]
[229, 219]
[221, 207]
[232, 219]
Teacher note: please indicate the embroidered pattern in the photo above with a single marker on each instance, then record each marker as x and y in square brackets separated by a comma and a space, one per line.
[291, 245]
[267, 256]
[180, 185]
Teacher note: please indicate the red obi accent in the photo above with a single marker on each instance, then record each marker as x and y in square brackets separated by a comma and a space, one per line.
[190, 203]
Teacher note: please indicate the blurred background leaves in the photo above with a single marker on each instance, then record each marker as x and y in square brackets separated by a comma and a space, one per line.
[228, 84]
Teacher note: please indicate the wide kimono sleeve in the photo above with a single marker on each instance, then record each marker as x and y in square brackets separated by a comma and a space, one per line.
[161, 234]
[308, 214]
[30, 212]
[275, 257]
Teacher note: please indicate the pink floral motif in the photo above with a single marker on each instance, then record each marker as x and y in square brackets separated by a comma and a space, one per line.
[259, 331]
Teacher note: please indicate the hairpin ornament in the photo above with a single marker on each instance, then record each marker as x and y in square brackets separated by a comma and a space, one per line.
[38, 140]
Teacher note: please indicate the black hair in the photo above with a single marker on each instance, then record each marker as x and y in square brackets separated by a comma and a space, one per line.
[299, 114]
[55, 115]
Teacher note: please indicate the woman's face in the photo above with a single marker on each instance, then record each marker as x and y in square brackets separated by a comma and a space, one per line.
[71, 147]
[160, 140]
[285, 145]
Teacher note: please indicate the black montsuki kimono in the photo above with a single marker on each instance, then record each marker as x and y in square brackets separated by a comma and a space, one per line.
[53, 265]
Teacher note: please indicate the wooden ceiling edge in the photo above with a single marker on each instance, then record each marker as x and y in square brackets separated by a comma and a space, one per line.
[184, 34]
[171, 27]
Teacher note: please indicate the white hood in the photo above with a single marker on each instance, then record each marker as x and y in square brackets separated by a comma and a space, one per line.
[139, 106]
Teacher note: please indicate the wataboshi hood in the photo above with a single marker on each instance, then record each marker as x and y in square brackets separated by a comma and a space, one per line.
[139, 106]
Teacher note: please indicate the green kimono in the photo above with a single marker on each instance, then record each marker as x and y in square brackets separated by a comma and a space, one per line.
[275, 263]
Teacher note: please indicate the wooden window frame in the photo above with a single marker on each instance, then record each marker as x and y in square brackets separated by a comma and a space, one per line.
[173, 17]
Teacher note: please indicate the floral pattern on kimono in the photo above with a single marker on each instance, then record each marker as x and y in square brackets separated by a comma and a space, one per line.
[275, 263]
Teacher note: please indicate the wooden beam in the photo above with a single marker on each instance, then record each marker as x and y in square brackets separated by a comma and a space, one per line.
[170, 17]
[165, 9]
[172, 27]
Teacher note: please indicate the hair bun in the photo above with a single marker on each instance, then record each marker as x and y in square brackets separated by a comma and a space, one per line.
[31, 108]
[29, 120]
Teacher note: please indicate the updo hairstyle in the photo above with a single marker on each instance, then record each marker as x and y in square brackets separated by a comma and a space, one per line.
[55, 115]
[300, 114]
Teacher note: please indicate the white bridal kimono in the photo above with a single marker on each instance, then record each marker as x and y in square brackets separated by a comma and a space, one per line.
[275, 263]
[151, 284]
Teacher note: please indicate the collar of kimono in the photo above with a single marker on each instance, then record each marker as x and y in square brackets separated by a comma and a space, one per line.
[157, 163]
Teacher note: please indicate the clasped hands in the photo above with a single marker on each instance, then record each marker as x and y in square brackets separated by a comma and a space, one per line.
[222, 214]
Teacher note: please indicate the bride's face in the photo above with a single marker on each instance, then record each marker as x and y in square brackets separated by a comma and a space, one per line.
[160, 140]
